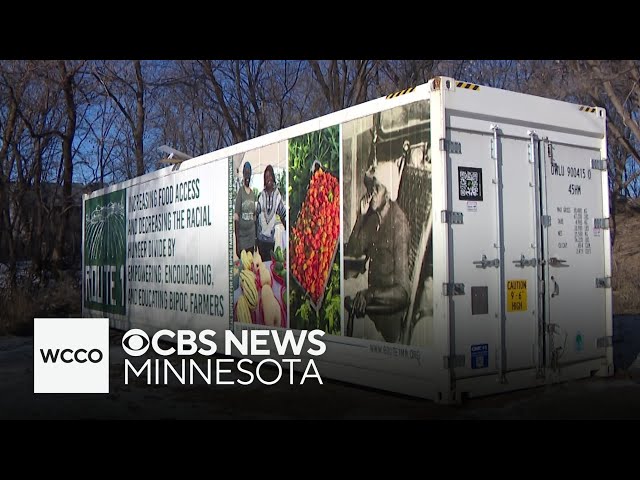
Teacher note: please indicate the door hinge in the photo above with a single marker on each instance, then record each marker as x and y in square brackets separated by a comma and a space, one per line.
[603, 282]
[545, 220]
[484, 263]
[450, 289]
[604, 342]
[453, 362]
[550, 152]
[523, 262]
[603, 223]
[454, 218]
[450, 146]
[598, 164]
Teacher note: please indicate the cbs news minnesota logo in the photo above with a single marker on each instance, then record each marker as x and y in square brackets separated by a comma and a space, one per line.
[71, 355]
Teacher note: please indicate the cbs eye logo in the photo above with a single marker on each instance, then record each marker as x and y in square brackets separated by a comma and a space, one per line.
[135, 342]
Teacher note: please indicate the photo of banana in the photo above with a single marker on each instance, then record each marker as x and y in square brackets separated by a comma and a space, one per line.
[246, 259]
[249, 288]
[242, 310]
[258, 293]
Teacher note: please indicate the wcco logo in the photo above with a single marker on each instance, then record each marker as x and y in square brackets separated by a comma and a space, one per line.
[71, 355]
[81, 355]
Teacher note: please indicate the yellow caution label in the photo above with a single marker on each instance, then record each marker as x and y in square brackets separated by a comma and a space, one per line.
[468, 86]
[401, 92]
[516, 295]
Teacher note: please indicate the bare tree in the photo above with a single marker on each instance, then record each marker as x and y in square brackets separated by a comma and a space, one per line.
[101, 157]
[124, 83]
[286, 101]
[208, 104]
[235, 90]
[185, 118]
[343, 83]
[392, 75]
[63, 77]
[11, 92]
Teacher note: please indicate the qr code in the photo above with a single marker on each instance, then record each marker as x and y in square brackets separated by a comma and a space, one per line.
[470, 183]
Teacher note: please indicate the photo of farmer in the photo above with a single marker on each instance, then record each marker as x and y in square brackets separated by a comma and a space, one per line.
[270, 207]
[387, 211]
[381, 236]
[260, 268]
[245, 213]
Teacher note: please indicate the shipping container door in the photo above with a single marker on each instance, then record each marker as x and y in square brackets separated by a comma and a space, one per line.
[520, 214]
[473, 289]
[573, 254]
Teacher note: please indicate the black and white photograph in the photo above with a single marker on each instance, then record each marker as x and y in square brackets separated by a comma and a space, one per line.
[388, 260]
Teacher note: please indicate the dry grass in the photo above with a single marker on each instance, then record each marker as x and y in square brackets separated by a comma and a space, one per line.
[626, 261]
[17, 311]
[20, 305]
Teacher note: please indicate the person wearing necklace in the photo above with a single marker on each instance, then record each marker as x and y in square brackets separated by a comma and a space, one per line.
[244, 215]
[269, 205]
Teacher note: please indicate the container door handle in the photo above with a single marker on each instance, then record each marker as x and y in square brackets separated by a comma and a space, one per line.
[484, 263]
[524, 262]
[557, 262]
[556, 288]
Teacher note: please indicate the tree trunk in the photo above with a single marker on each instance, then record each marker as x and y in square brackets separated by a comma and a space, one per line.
[68, 88]
[138, 128]
[38, 224]
[6, 229]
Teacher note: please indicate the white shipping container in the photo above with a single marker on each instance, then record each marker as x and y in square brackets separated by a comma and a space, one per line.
[486, 257]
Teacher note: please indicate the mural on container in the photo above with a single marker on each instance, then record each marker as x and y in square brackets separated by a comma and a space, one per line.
[105, 252]
[388, 260]
[260, 239]
[314, 212]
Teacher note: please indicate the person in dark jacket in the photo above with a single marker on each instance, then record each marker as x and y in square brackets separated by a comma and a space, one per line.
[381, 235]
